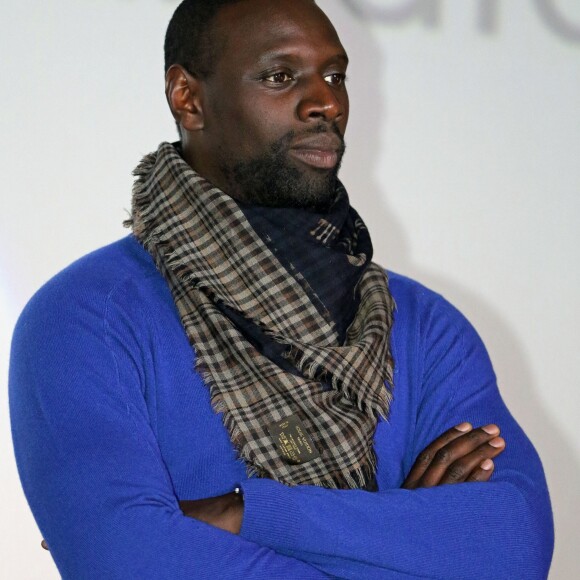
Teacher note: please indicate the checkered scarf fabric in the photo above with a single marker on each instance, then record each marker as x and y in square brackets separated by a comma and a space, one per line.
[214, 263]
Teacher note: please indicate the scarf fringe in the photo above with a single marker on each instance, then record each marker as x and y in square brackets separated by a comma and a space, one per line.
[140, 198]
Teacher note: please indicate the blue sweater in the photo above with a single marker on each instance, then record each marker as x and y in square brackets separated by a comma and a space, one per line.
[112, 427]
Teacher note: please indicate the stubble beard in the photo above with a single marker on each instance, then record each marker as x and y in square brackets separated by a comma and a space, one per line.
[276, 180]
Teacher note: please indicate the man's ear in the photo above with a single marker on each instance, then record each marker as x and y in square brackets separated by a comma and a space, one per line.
[183, 92]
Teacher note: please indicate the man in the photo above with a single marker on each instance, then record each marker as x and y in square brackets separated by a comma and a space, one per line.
[230, 392]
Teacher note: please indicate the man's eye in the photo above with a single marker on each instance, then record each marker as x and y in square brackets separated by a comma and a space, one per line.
[278, 78]
[335, 79]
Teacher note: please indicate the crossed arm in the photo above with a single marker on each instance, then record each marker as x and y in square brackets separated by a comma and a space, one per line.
[462, 454]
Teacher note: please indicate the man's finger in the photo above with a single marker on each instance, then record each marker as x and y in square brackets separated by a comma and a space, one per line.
[425, 458]
[461, 470]
[460, 448]
[44, 545]
[482, 472]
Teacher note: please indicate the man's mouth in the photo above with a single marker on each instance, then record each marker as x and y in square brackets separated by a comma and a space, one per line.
[318, 158]
[321, 151]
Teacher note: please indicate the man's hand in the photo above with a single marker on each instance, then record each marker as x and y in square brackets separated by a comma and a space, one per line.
[459, 455]
[224, 511]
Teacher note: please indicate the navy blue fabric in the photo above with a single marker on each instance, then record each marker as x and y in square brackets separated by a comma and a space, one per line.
[331, 279]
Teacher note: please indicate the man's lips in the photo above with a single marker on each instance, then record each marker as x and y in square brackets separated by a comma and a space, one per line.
[320, 151]
[316, 157]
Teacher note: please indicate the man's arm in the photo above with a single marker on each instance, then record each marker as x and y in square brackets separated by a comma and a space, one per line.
[460, 455]
[90, 463]
[497, 529]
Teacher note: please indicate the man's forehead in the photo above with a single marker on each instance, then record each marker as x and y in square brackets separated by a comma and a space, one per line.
[270, 26]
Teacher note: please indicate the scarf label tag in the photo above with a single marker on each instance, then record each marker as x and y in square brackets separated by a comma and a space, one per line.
[293, 442]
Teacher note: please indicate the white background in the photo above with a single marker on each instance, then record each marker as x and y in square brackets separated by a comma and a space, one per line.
[463, 157]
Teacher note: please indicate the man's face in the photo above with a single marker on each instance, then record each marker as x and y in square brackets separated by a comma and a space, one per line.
[276, 106]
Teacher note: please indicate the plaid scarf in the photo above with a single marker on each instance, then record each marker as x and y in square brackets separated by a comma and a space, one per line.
[300, 406]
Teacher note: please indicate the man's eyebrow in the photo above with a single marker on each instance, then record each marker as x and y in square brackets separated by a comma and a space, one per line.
[289, 56]
[342, 56]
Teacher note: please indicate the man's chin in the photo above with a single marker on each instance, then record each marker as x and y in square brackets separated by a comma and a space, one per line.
[312, 190]
[285, 182]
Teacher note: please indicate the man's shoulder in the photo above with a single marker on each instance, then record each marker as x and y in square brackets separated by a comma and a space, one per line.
[424, 311]
[111, 264]
[121, 269]
[410, 293]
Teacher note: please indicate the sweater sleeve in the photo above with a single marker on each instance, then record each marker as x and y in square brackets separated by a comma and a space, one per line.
[498, 529]
[90, 464]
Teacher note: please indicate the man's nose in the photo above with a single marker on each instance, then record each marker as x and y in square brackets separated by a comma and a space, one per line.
[320, 101]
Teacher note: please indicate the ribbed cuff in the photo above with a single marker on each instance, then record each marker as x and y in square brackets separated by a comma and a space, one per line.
[271, 516]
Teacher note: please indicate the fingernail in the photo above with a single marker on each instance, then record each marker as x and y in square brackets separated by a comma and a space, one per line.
[491, 429]
[464, 427]
[486, 465]
[497, 442]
